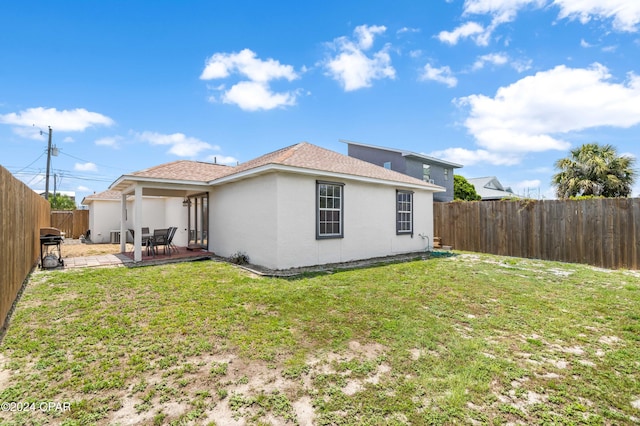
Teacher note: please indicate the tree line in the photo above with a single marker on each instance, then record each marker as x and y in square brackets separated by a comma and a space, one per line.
[590, 170]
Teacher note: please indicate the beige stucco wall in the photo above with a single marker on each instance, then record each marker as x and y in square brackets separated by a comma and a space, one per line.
[272, 219]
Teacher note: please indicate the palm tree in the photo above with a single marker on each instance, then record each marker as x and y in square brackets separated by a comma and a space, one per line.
[594, 169]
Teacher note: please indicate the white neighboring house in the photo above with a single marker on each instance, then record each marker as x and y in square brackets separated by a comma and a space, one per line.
[299, 206]
[490, 188]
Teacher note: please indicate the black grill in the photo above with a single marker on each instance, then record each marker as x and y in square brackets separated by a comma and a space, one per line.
[50, 254]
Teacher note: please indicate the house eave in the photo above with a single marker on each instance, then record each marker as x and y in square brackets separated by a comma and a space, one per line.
[127, 183]
[269, 168]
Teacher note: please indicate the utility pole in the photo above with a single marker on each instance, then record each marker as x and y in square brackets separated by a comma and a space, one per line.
[46, 189]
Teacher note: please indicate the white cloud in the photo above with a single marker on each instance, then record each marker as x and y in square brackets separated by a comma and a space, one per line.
[245, 63]
[76, 120]
[254, 94]
[30, 133]
[111, 141]
[365, 35]
[502, 10]
[521, 65]
[68, 139]
[82, 188]
[404, 30]
[86, 167]
[531, 114]
[351, 67]
[181, 145]
[468, 157]
[585, 44]
[222, 159]
[491, 58]
[625, 13]
[466, 30]
[441, 75]
[528, 184]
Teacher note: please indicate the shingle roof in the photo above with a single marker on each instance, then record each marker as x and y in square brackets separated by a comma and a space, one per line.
[308, 156]
[185, 170]
[490, 188]
[302, 156]
[104, 195]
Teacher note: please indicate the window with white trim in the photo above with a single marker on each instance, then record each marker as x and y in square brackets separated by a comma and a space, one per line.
[330, 203]
[404, 212]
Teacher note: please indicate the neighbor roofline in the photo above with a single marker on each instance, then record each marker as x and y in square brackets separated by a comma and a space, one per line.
[405, 153]
[271, 167]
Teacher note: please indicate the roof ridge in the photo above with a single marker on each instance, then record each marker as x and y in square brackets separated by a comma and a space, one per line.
[169, 163]
[289, 151]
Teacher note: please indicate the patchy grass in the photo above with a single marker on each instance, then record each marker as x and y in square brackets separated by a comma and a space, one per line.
[466, 339]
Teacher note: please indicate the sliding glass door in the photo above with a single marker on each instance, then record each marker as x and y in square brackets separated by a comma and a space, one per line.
[199, 220]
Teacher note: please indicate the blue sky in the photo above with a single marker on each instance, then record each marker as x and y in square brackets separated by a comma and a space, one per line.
[504, 87]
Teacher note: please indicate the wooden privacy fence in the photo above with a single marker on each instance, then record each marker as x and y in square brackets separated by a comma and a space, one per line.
[600, 232]
[72, 222]
[22, 212]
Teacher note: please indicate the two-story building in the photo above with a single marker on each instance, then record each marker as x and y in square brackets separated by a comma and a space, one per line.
[419, 166]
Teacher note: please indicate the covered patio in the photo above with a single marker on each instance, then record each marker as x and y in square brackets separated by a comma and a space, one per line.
[166, 203]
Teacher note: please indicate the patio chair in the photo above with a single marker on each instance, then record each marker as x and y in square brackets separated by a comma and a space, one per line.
[161, 238]
[172, 232]
[145, 240]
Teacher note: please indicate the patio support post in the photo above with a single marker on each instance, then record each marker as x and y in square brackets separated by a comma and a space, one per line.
[123, 219]
[137, 252]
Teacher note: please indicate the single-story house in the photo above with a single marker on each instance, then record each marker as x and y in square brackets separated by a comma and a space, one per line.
[302, 205]
[420, 166]
[489, 188]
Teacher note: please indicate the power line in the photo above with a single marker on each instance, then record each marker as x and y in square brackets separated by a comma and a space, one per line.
[35, 176]
[87, 161]
[30, 164]
[71, 175]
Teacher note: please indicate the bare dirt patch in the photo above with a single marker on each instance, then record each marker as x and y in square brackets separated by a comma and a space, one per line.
[75, 248]
[238, 388]
[609, 340]
[304, 411]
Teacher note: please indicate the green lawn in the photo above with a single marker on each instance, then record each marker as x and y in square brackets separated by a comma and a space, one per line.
[467, 339]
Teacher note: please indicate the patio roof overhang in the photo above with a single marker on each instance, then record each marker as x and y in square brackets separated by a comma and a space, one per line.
[127, 184]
